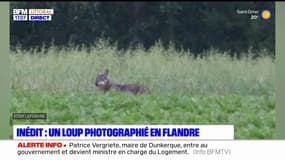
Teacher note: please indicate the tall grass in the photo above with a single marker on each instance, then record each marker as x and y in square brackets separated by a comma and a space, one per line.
[165, 71]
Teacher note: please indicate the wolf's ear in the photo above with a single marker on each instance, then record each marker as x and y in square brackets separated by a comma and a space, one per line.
[106, 71]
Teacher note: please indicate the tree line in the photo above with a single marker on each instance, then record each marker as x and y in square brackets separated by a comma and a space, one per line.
[194, 26]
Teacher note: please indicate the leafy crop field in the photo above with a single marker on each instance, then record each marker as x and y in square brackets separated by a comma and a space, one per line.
[185, 90]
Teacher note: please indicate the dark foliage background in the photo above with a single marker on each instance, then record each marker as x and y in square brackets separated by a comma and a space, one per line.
[197, 26]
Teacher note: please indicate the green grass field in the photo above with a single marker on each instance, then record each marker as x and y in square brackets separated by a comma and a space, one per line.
[212, 90]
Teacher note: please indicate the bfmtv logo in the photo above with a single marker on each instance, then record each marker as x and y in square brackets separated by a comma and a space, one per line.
[20, 14]
[32, 14]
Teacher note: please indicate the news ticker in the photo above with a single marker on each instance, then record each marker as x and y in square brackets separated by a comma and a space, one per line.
[97, 132]
[143, 149]
[32, 14]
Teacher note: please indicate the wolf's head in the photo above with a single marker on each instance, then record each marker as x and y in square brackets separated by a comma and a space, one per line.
[102, 79]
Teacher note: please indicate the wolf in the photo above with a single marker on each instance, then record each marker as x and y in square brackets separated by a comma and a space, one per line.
[104, 83]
